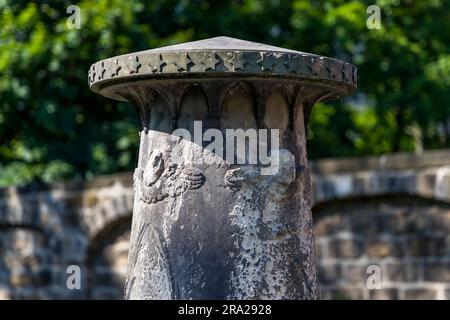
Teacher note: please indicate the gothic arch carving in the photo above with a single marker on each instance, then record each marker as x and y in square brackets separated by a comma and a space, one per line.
[194, 106]
[238, 107]
[276, 112]
[160, 115]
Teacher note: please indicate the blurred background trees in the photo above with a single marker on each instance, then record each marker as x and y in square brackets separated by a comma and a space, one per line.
[53, 127]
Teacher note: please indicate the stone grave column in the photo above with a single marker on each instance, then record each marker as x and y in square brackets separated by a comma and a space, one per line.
[222, 189]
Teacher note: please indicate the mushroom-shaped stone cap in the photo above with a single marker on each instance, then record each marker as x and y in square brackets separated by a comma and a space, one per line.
[222, 57]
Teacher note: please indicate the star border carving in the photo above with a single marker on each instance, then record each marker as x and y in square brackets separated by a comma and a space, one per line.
[226, 61]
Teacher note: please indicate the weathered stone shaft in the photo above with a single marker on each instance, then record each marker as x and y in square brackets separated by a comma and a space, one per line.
[206, 227]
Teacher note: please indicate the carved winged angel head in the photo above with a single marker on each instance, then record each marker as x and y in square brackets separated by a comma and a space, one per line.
[162, 178]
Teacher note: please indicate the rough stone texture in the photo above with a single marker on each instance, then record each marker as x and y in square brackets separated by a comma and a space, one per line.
[210, 226]
[43, 229]
[219, 231]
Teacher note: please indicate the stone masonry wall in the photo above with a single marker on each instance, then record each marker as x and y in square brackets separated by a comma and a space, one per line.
[407, 238]
[389, 214]
[46, 229]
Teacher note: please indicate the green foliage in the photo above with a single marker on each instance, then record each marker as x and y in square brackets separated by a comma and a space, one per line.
[52, 126]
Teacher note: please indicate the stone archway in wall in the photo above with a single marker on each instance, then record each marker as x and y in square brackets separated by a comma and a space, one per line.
[406, 238]
[107, 260]
[106, 220]
[34, 250]
[24, 262]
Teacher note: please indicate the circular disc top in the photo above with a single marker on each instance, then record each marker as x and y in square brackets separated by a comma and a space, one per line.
[221, 57]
